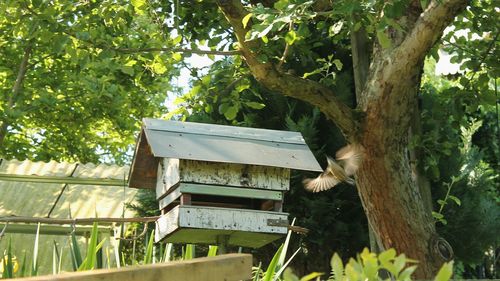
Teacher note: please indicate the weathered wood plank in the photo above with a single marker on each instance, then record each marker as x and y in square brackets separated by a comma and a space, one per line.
[224, 131]
[234, 175]
[236, 238]
[174, 171]
[226, 267]
[204, 189]
[230, 219]
[144, 165]
[205, 223]
[231, 150]
[168, 175]
[230, 191]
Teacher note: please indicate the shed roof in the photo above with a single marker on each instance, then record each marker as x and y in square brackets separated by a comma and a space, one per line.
[215, 143]
[30, 189]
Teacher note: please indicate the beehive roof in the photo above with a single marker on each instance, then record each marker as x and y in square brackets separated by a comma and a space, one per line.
[215, 143]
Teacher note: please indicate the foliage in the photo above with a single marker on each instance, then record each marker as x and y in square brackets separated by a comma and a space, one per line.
[370, 266]
[460, 160]
[82, 98]
[91, 260]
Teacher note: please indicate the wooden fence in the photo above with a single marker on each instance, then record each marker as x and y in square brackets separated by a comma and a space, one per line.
[221, 268]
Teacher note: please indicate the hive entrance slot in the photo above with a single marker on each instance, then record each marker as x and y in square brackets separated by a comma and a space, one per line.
[225, 202]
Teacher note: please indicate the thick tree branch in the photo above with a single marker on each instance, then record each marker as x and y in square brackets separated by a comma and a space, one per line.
[286, 84]
[16, 90]
[360, 59]
[390, 93]
[429, 28]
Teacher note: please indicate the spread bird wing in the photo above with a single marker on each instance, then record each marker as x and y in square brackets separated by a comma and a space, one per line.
[350, 157]
[326, 180]
[323, 182]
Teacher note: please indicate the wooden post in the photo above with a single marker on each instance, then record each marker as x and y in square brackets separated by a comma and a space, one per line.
[222, 243]
[230, 267]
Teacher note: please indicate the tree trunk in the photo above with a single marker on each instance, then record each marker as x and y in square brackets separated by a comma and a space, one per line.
[394, 207]
[389, 194]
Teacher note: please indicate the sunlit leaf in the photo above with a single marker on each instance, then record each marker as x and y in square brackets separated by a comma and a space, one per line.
[245, 19]
[383, 39]
[445, 273]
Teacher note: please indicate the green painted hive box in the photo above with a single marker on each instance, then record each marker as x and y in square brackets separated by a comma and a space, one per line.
[214, 180]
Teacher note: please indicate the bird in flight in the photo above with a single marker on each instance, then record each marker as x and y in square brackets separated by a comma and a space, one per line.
[349, 157]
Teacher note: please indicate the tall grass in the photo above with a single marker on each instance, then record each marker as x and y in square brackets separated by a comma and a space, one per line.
[365, 267]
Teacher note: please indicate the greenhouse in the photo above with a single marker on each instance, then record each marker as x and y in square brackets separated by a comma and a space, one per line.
[54, 190]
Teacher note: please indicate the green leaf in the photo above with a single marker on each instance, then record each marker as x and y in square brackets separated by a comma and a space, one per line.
[290, 37]
[176, 57]
[336, 28]
[455, 199]
[245, 20]
[159, 68]
[231, 112]
[148, 256]
[383, 39]
[370, 264]
[288, 275]
[445, 272]
[307, 74]
[255, 105]
[8, 266]
[256, 276]
[93, 247]
[387, 256]
[265, 31]
[407, 272]
[281, 4]
[189, 253]
[212, 251]
[24, 267]
[223, 108]
[423, 4]
[271, 269]
[177, 40]
[337, 267]
[76, 256]
[139, 5]
[338, 64]
[350, 273]
[128, 70]
[34, 267]
[399, 263]
[437, 215]
[311, 276]
[441, 202]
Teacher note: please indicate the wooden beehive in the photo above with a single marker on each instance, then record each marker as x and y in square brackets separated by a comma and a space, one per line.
[217, 181]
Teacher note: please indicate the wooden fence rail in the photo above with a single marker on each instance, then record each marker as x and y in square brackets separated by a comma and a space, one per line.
[231, 267]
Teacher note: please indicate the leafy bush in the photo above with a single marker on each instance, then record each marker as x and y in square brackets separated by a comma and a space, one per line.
[371, 267]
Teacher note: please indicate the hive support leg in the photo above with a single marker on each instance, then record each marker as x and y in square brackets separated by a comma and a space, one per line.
[222, 243]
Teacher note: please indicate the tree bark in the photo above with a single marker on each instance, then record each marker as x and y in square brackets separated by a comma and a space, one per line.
[389, 194]
[16, 90]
